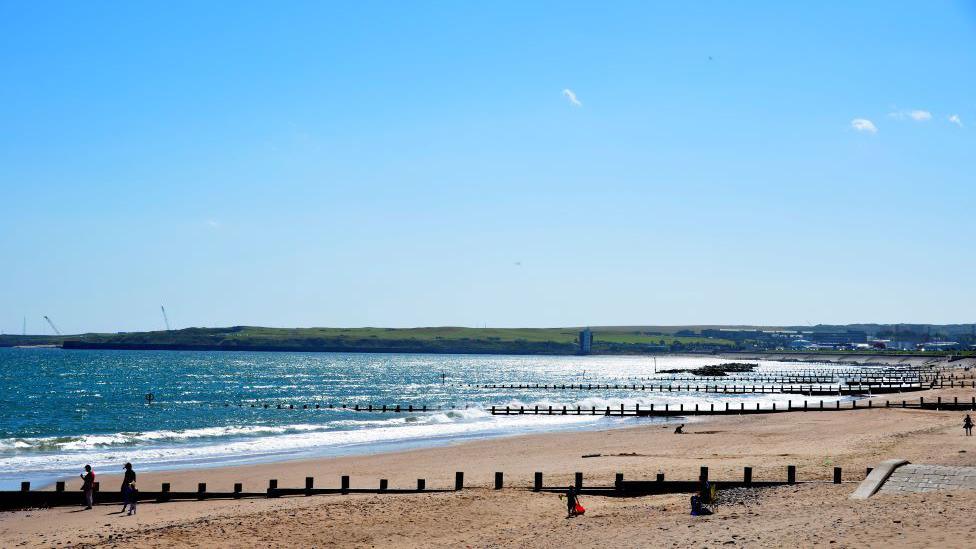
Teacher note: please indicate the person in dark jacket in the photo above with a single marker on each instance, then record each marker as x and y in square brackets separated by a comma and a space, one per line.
[571, 501]
[128, 481]
[88, 486]
[967, 424]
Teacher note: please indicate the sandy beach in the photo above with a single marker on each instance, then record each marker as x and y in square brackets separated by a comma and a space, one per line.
[814, 514]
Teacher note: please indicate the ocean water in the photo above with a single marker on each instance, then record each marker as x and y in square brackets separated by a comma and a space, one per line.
[62, 409]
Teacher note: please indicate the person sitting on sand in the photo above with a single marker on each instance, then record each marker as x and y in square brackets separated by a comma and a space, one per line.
[678, 429]
[967, 424]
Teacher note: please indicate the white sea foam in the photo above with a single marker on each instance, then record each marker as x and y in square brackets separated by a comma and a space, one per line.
[300, 439]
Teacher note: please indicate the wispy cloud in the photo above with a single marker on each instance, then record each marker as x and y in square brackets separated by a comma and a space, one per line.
[571, 96]
[864, 125]
[954, 118]
[213, 223]
[917, 115]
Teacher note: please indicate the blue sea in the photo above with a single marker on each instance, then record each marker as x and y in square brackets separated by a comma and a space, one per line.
[61, 409]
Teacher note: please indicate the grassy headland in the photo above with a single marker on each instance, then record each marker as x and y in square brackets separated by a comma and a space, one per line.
[559, 341]
[549, 341]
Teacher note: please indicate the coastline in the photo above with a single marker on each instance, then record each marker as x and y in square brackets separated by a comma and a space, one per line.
[558, 454]
[814, 442]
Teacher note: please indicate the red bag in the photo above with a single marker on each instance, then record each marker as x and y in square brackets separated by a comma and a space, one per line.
[580, 509]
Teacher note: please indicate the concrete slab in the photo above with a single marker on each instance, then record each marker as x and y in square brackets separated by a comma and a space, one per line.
[878, 476]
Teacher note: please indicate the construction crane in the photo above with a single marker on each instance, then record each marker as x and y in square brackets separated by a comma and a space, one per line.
[53, 327]
[165, 318]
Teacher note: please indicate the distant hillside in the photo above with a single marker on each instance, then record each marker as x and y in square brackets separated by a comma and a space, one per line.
[550, 341]
[433, 340]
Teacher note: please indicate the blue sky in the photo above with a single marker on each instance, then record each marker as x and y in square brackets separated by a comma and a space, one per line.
[404, 164]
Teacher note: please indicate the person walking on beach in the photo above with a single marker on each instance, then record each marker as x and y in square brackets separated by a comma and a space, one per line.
[133, 497]
[88, 486]
[128, 482]
[967, 424]
[571, 501]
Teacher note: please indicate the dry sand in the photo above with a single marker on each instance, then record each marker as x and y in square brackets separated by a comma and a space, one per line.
[807, 515]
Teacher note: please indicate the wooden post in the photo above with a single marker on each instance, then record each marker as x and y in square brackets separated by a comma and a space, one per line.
[537, 482]
[59, 486]
[579, 481]
[747, 475]
[499, 480]
[791, 474]
[421, 484]
[238, 488]
[309, 484]
[272, 488]
[201, 490]
[383, 484]
[660, 477]
[618, 481]
[703, 474]
[164, 492]
[837, 475]
[459, 480]
[344, 484]
[25, 486]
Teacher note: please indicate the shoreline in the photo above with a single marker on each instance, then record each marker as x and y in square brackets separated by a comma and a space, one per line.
[356, 451]
[291, 472]
[479, 516]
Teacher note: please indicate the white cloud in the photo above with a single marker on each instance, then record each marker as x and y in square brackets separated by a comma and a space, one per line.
[571, 96]
[213, 223]
[864, 125]
[954, 118]
[917, 115]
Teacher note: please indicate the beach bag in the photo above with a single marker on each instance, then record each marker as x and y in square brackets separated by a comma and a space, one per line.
[580, 509]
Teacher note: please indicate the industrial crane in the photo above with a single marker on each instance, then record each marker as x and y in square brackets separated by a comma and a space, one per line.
[165, 318]
[53, 327]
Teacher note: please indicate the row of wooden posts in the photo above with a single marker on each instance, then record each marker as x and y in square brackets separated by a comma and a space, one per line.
[793, 379]
[937, 384]
[821, 372]
[25, 497]
[727, 389]
[668, 410]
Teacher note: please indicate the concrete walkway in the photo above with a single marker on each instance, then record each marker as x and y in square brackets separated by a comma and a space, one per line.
[914, 477]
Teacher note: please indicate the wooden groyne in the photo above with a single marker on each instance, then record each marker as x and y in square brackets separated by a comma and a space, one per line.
[668, 410]
[26, 498]
[809, 390]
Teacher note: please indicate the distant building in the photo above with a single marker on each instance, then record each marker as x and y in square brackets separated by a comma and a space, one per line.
[849, 337]
[585, 341]
[941, 346]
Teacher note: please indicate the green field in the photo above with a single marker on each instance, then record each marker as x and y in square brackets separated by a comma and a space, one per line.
[433, 339]
[553, 341]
